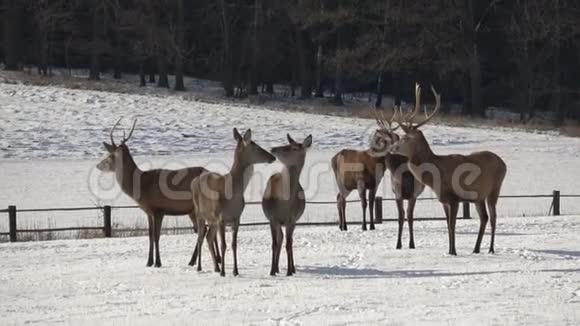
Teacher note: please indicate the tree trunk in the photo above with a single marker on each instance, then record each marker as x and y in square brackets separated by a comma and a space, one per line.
[50, 48]
[142, 80]
[474, 66]
[118, 59]
[180, 48]
[43, 62]
[162, 81]
[380, 83]
[67, 56]
[150, 64]
[94, 60]
[253, 88]
[465, 92]
[556, 102]
[270, 87]
[319, 92]
[13, 31]
[338, 73]
[523, 89]
[475, 79]
[227, 66]
[304, 63]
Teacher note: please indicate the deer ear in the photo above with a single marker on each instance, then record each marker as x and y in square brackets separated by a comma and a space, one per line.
[109, 148]
[290, 140]
[307, 141]
[248, 136]
[237, 135]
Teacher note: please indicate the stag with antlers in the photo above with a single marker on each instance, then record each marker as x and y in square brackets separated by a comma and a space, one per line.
[476, 177]
[403, 183]
[363, 170]
[157, 192]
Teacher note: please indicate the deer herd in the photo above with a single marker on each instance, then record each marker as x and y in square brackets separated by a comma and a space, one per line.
[213, 200]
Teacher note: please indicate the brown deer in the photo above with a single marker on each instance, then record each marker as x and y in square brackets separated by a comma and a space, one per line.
[364, 170]
[283, 202]
[157, 192]
[403, 183]
[219, 199]
[476, 177]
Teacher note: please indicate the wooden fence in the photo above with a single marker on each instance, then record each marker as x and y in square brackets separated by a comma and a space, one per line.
[107, 228]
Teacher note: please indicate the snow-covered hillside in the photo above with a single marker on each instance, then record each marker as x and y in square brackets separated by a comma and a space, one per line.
[51, 139]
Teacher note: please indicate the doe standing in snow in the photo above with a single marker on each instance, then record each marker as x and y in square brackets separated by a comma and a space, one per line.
[157, 192]
[283, 202]
[475, 178]
[219, 199]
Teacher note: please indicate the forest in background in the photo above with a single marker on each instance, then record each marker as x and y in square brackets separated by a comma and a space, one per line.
[521, 54]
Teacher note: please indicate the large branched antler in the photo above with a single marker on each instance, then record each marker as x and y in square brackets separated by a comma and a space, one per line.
[407, 121]
[125, 139]
[385, 123]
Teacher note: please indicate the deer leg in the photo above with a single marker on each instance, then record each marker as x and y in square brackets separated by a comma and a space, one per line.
[453, 208]
[235, 228]
[481, 211]
[410, 216]
[158, 219]
[222, 229]
[341, 203]
[289, 253]
[401, 220]
[446, 209]
[492, 219]
[151, 239]
[217, 249]
[338, 206]
[372, 206]
[200, 236]
[279, 240]
[210, 238]
[274, 248]
[362, 193]
[194, 255]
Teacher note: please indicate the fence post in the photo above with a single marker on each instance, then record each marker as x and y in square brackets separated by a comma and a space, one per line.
[378, 209]
[107, 214]
[12, 223]
[556, 202]
[466, 211]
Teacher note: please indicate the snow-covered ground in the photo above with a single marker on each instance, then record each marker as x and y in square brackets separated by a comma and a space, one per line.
[50, 141]
[342, 278]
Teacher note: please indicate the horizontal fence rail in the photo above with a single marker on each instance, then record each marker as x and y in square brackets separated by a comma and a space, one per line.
[107, 226]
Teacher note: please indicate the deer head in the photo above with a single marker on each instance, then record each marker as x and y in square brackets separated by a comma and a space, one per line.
[116, 153]
[413, 141]
[294, 153]
[247, 152]
[385, 135]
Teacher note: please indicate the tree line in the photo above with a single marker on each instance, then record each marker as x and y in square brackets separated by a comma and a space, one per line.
[515, 53]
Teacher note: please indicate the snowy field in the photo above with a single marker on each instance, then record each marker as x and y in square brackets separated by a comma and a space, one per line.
[342, 278]
[50, 141]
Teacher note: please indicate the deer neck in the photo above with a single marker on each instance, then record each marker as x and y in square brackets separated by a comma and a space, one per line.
[240, 175]
[422, 152]
[128, 175]
[291, 177]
